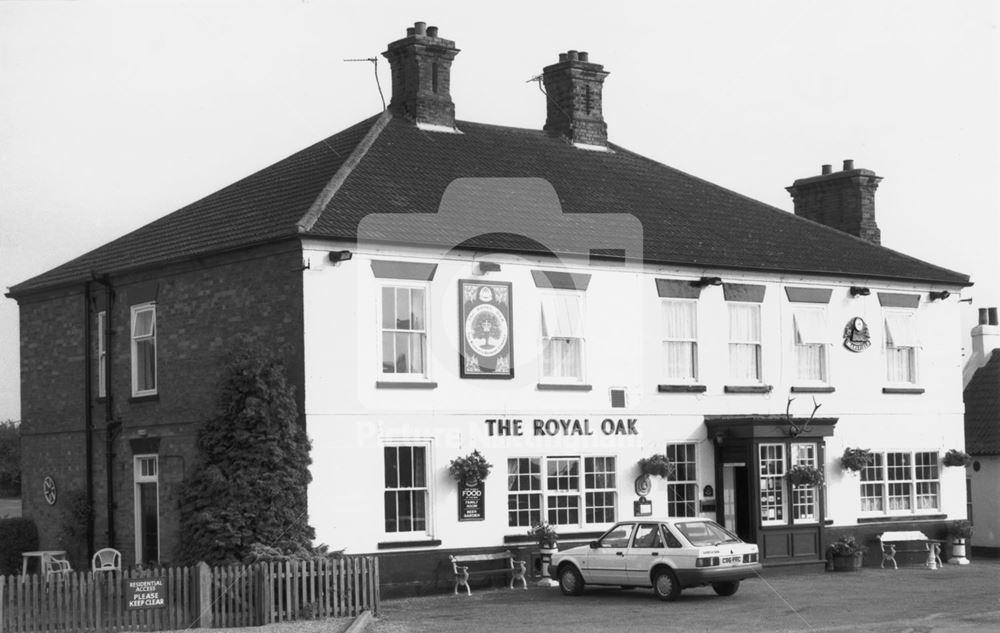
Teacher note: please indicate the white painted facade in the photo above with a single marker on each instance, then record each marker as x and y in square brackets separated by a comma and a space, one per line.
[350, 420]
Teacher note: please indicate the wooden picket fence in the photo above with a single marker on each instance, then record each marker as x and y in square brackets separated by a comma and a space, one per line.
[196, 597]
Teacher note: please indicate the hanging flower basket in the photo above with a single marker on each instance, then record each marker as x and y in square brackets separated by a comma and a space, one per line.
[955, 457]
[855, 459]
[805, 476]
[657, 465]
[472, 467]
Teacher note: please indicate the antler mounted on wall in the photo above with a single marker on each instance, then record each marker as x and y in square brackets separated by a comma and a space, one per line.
[794, 429]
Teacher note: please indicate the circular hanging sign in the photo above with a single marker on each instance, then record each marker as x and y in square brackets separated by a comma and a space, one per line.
[49, 490]
[856, 336]
[643, 485]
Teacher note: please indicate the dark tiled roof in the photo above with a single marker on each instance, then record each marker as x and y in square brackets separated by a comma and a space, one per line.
[685, 220]
[982, 409]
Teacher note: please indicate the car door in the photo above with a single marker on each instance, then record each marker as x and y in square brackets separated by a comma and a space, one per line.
[647, 546]
[606, 563]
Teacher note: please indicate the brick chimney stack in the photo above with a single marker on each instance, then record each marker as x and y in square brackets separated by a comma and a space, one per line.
[843, 200]
[421, 76]
[573, 86]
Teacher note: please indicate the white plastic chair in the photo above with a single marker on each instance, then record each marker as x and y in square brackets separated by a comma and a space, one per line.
[58, 567]
[107, 559]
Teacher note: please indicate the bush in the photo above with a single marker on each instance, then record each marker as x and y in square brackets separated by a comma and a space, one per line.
[249, 483]
[16, 536]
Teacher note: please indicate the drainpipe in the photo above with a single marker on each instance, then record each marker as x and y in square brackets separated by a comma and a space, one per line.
[88, 390]
[111, 427]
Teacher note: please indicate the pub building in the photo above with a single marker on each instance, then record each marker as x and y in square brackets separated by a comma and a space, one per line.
[547, 298]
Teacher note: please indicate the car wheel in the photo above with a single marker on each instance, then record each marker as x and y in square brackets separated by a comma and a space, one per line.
[726, 588]
[665, 585]
[570, 581]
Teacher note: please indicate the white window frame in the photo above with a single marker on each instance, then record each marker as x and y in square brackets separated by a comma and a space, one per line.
[810, 331]
[876, 478]
[544, 496]
[580, 335]
[890, 347]
[804, 497]
[428, 529]
[684, 478]
[771, 469]
[410, 286]
[759, 343]
[140, 477]
[102, 354]
[666, 305]
[135, 340]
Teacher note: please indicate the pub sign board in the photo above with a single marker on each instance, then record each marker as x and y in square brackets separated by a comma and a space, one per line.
[471, 501]
[486, 330]
[146, 593]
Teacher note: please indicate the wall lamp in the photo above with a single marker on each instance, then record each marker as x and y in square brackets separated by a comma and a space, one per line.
[482, 268]
[860, 291]
[707, 281]
[942, 294]
[340, 256]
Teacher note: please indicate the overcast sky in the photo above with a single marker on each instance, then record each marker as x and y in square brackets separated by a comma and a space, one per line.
[113, 114]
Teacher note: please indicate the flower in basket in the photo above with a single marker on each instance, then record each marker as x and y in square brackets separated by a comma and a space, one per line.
[657, 465]
[545, 533]
[846, 546]
[960, 530]
[856, 459]
[955, 457]
[800, 475]
[471, 467]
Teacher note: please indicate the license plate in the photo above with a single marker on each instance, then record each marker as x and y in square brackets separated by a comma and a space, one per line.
[731, 560]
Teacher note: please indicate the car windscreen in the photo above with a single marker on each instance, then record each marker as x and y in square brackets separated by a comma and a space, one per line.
[700, 533]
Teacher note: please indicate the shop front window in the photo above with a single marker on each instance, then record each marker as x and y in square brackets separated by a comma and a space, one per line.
[804, 497]
[772, 492]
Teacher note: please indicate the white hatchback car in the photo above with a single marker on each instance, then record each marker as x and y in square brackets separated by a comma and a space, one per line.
[666, 554]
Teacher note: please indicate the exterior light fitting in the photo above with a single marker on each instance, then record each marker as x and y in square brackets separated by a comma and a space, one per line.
[340, 256]
[860, 291]
[481, 268]
[707, 281]
[941, 294]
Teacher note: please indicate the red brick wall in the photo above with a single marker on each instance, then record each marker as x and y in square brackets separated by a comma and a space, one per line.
[202, 308]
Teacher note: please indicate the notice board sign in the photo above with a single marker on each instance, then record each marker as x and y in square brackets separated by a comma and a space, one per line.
[485, 325]
[471, 501]
[146, 593]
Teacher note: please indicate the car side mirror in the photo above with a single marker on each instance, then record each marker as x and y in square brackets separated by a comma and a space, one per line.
[594, 545]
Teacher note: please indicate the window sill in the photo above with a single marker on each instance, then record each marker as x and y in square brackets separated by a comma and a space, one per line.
[405, 384]
[680, 388]
[516, 539]
[153, 397]
[903, 390]
[897, 518]
[816, 389]
[558, 386]
[748, 388]
[433, 542]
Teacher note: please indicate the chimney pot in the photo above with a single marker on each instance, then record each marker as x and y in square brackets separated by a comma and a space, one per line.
[432, 31]
[420, 27]
[984, 318]
[848, 164]
[993, 317]
[563, 57]
[573, 55]
[410, 31]
[827, 169]
[584, 56]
